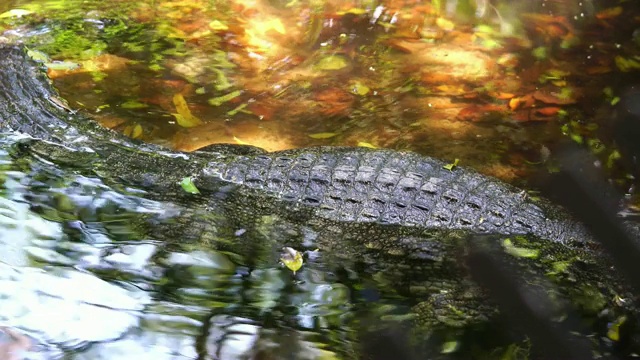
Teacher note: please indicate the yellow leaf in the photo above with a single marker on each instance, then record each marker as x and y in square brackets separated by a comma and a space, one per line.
[137, 131]
[367, 145]
[15, 13]
[218, 25]
[240, 142]
[265, 26]
[331, 62]
[292, 259]
[184, 116]
[277, 26]
[324, 135]
[445, 24]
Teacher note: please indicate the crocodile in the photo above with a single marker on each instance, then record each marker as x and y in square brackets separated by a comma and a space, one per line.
[336, 183]
[400, 213]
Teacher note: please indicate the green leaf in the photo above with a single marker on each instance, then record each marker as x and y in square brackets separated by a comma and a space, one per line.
[188, 186]
[516, 251]
[331, 62]
[540, 53]
[132, 104]
[360, 89]
[449, 347]
[239, 108]
[62, 65]
[38, 56]
[614, 328]
[217, 101]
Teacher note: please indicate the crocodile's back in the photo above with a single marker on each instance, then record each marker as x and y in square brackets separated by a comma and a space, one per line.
[391, 187]
[342, 184]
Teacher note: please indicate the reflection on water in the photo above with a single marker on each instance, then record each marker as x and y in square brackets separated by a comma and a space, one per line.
[161, 294]
[488, 82]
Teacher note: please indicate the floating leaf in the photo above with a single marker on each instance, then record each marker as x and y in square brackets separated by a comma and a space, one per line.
[613, 157]
[452, 165]
[614, 328]
[184, 116]
[38, 56]
[324, 135]
[60, 103]
[62, 65]
[450, 347]
[188, 186]
[15, 13]
[517, 251]
[224, 98]
[292, 259]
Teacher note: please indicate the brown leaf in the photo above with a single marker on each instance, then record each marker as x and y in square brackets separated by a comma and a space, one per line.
[595, 70]
[552, 97]
[609, 13]
[501, 95]
[547, 111]
[480, 112]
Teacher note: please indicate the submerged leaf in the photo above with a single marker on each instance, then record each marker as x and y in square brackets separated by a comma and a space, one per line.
[627, 64]
[367, 145]
[331, 62]
[137, 131]
[217, 101]
[184, 116]
[359, 88]
[133, 104]
[240, 141]
[324, 135]
[218, 25]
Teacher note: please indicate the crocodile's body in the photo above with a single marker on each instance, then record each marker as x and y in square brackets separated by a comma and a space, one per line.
[339, 184]
[348, 202]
